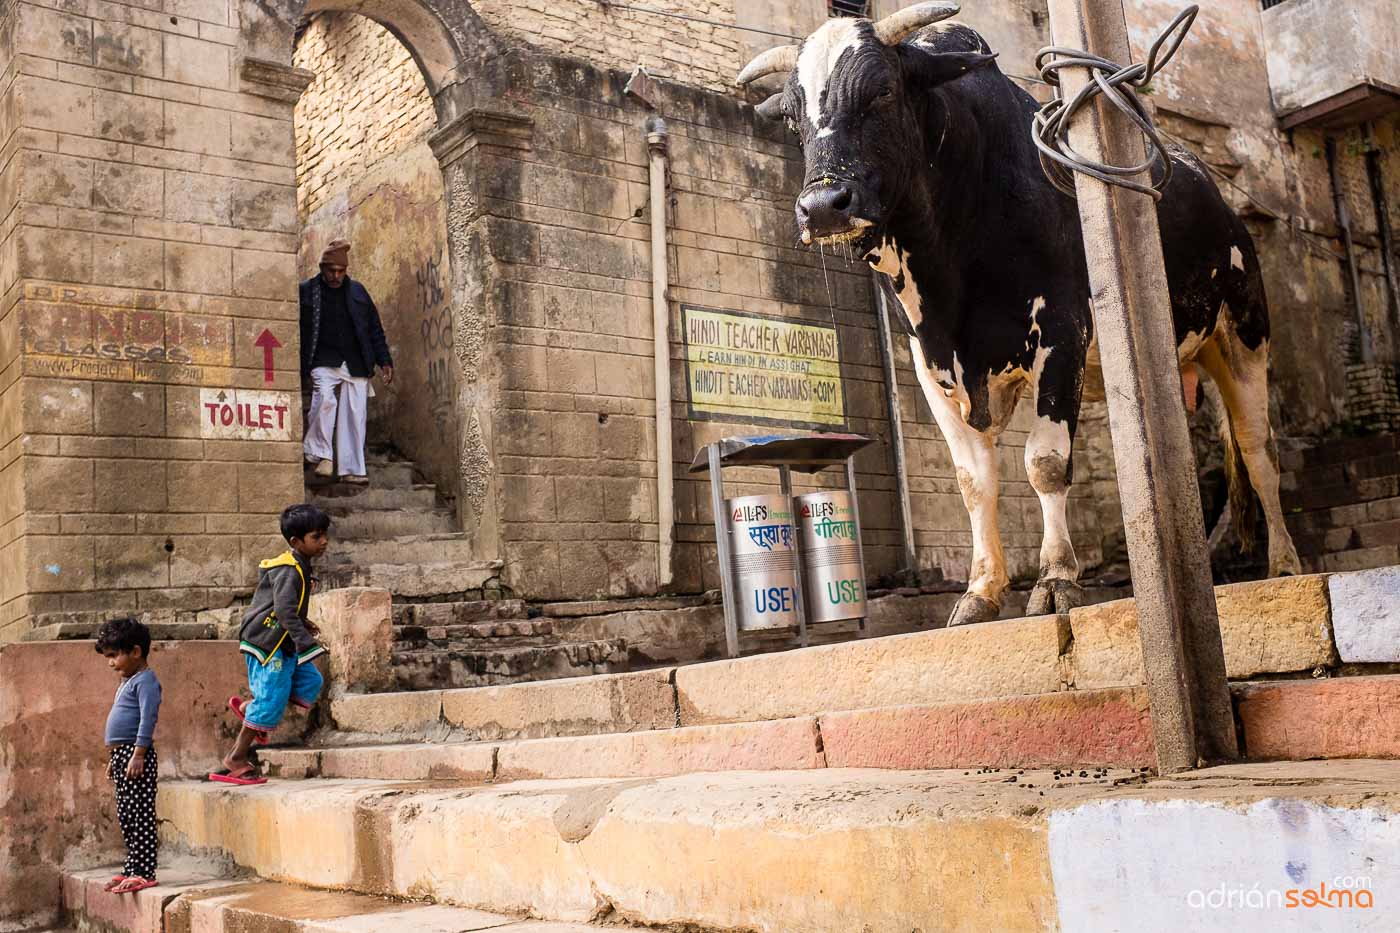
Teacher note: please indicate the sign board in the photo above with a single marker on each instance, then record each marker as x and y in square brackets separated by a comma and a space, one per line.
[245, 415]
[762, 369]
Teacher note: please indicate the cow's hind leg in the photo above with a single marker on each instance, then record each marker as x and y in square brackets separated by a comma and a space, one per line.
[975, 459]
[1242, 375]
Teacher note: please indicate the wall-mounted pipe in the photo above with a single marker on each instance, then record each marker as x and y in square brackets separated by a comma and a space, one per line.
[661, 347]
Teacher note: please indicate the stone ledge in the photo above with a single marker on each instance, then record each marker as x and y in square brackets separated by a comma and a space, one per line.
[273, 80]
[1366, 615]
[702, 851]
[1344, 717]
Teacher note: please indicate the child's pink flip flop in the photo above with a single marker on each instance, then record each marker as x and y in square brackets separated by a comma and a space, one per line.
[246, 776]
[236, 704]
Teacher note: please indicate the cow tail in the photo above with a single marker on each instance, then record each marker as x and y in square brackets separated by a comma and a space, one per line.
[1237, 482]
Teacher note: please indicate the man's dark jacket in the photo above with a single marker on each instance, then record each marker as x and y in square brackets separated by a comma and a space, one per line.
[364, 316]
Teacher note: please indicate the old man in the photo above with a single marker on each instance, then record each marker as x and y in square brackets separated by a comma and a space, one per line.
[342, 342]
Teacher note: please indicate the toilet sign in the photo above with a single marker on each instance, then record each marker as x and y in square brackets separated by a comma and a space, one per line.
[245, 415]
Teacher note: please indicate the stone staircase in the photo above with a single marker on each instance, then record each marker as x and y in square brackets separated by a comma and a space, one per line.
[1006, 766]
[397, 534]
[1342, 501]
[491, 642]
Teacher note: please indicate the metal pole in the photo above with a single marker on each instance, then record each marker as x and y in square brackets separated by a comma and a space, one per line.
[726, 572]
[901, 472]
[1192, 721]
[785, 486]
[855, 517]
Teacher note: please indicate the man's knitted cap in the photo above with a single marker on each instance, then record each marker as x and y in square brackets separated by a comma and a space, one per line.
[337, 253]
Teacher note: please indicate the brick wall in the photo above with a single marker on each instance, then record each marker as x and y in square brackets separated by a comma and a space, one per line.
[150, 241]
[367, 102]
[686, 51]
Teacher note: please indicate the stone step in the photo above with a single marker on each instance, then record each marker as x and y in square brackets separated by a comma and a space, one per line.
[1339, 450]
[1268, 628]
[437, 668]
[204, 902]
[1348, 538]
[1343, 516]
[1083, 728]
[407, 549]
[462, 579]
[1342, 472]
[1351, 560]
[821, 851]
[1341, 717]
[1327, 497]
[393, 523]
[478, 635]
[421, 497]
[460, 612]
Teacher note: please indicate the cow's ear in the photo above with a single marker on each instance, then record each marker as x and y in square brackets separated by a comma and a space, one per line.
[926, 69]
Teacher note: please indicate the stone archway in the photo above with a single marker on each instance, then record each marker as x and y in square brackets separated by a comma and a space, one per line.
[463, 68]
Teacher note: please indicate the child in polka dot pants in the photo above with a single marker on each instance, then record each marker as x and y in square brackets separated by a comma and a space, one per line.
[131, 725]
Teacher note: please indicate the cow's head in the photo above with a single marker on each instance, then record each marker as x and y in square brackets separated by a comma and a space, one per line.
[854, 96]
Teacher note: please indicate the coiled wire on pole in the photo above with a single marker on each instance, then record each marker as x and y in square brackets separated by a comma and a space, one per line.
[1050, 131]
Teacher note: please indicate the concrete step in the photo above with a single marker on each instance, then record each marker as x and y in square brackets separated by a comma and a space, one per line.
[459, 613]
[393, 523]
[408, 549]
[825, 851]
[463, 579]
[1072, 729]
[1341, 717]
[363, 498]
[435, 668]
[204, 902]
[1268, 628]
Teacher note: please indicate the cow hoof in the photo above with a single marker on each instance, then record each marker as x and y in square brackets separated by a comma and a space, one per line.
[973, 608]
[1054, 596]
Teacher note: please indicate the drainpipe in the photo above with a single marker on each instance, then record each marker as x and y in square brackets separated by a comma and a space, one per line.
[661, 346]
[1388, 253]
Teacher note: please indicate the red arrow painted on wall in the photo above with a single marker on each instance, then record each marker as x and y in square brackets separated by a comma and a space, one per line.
[268, 344]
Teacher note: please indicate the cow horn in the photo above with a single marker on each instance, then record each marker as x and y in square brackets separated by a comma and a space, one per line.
[772, 108]
[779, 60]
[893, 28]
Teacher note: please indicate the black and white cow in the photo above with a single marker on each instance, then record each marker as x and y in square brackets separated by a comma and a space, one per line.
[919, 157]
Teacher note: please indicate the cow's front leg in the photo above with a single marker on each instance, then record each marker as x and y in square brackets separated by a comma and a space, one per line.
[1048, 466]
[975, 460]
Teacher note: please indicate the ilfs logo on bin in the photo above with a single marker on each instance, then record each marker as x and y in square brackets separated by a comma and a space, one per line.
[765, 561]
[832, 573]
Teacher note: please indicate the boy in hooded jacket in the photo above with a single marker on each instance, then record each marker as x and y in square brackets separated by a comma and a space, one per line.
[278, 641]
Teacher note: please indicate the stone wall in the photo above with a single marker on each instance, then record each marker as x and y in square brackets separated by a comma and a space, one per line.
[150, 240]
[683, 50]
[365, 172]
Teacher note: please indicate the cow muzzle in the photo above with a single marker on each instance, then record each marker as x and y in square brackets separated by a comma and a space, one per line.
[829, 210]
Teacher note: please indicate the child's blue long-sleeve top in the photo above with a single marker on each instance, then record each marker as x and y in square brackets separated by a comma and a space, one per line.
[134, 712]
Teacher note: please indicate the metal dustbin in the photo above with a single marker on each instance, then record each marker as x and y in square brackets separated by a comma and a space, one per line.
[765, 561]
[833, 573]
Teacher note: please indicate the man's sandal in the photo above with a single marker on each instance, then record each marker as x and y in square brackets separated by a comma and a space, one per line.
[245, 776]
[236, 704]
[133, 884]
[116, 880]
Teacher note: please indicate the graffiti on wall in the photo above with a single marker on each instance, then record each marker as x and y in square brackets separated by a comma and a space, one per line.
[435, 328]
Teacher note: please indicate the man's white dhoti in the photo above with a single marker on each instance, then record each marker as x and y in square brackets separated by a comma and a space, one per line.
[344, 419]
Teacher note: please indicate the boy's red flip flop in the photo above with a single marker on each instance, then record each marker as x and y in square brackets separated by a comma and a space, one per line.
[133, 884]
[246, 776]
[236, 704]
[116, 880]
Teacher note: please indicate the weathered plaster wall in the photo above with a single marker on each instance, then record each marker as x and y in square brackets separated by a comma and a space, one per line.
[365, 172]
[151, 232]
[56, 807]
